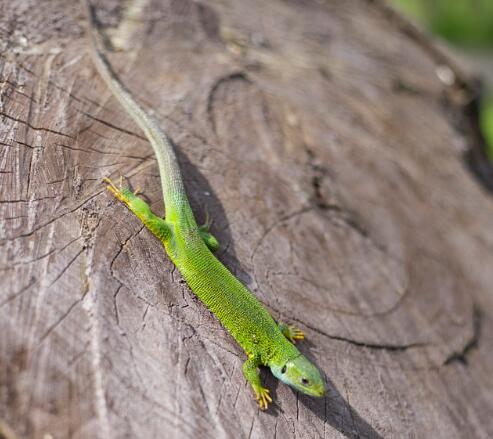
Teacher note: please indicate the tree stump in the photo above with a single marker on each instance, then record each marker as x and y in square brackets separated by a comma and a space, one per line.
[330, 154]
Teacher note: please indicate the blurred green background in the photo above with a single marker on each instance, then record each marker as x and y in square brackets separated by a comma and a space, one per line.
[468, 26]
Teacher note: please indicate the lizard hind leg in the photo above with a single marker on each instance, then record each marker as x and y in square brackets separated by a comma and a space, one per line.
[210, 240]
[141, 209]
[291, 332]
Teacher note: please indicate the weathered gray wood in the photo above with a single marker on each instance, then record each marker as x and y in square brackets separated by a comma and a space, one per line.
[320, 139]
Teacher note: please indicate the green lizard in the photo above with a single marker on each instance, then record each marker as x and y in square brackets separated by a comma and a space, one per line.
[190, 248]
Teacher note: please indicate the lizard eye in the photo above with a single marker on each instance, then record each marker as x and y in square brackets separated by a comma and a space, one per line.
[304, 381]
[283, 370]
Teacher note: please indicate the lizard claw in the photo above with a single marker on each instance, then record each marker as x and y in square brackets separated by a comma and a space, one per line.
[208, 222]
[263, 398]
[120, 193]
[111, 187]
[291, 332]
[110, 183]
[295, 333]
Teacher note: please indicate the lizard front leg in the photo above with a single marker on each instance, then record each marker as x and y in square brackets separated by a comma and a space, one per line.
[141, 209]
[252, 376]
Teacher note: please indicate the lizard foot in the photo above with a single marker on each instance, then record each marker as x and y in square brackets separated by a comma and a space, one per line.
[209, 239]
[263, 397]
[124, 194]
[291, 332]
[141, 209]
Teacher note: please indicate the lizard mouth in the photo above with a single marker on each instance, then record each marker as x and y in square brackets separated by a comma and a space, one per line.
[317, 391]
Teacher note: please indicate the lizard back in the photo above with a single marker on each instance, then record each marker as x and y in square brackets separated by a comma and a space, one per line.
[240, 312]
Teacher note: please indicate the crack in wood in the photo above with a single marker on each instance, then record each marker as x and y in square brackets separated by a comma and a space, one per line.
[34, 128]
[399, 347]
[233, 76]
[51, 220]
[473, 342]
[113, 126]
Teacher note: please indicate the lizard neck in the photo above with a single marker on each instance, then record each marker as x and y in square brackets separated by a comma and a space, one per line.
[283, 352]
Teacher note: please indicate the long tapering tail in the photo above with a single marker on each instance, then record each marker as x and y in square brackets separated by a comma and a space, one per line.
[169, 171]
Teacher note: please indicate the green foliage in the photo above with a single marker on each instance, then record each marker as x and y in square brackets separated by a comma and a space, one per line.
[466, 23]
[486, 121]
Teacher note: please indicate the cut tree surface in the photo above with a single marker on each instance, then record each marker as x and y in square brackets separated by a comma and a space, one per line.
[320, 139]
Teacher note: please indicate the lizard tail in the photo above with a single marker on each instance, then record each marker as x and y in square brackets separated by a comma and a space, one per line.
[171, 180]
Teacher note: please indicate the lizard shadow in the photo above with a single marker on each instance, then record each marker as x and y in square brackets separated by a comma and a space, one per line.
[338, 412]
[198, 188]
[334, 409]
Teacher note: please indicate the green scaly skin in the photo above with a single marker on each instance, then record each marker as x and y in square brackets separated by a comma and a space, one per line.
[190, 248]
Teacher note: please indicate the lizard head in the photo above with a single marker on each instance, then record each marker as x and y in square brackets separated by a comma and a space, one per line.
[300, 374]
